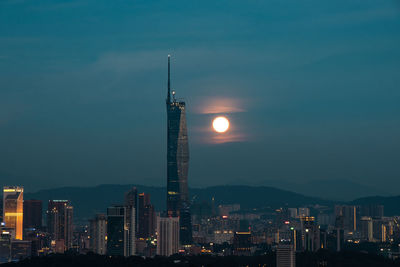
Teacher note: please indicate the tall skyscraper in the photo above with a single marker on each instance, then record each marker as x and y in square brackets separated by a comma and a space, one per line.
[177, 160]
[117, 234]
[13, 205]
[167, 235]
[32, 214]
[60, 223]
[98, 233]
[146, 217]
[131, 220]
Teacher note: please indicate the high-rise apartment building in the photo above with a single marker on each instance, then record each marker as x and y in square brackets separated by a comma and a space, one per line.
[167, 235]
[13, 205]
[98, 234]
[32, 214]
[177, 159]
[60, 223]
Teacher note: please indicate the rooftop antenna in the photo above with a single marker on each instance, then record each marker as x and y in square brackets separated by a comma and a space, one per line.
[169, 81]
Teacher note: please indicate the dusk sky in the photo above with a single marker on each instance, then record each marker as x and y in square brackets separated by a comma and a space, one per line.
[311, 89]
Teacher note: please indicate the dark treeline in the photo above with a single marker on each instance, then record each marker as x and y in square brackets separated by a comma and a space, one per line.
[320, 258]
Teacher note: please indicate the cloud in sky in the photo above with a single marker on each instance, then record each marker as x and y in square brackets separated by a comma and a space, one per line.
[219, 105]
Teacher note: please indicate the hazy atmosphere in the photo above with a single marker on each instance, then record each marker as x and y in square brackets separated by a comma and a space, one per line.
[311, 89]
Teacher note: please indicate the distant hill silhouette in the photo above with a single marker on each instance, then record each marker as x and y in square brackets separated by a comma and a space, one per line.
[91, 200]
[339, 190]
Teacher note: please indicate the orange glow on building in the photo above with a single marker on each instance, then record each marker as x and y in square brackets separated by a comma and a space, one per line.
[13, 205]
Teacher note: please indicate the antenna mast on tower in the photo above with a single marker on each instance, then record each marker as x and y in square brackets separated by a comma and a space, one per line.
[169, 82]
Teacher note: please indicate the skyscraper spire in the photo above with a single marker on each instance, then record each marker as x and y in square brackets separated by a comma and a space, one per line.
[169, 82]
[178, 165]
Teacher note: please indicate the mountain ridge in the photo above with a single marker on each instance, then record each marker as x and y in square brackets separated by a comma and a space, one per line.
[91, 200]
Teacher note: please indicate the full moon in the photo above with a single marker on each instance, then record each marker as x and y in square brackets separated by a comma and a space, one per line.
[220, 124]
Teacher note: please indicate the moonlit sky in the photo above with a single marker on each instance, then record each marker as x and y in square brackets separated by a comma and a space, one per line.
[311, 89]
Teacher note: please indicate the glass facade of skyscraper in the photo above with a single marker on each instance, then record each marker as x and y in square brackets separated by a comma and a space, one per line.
[177, 161]
[13, 205]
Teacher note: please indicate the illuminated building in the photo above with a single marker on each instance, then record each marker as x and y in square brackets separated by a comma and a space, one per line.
[60, 223]
[131, 220]
[32, 214]
[117, 234]
[177, 160]
[146, 217]
[167, 235]
[97, 234]
[310, 234]
[242, 243]
[285, 255]
[13, 199]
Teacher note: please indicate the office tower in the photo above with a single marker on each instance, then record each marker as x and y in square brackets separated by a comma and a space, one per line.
[60, 223]
[97, 234]
[146, 217]
[285, 255]
[13, 199]
[167, 235]
[185, 223]
[177, 159]
[32, 214]
[117, 233]
[131, 220]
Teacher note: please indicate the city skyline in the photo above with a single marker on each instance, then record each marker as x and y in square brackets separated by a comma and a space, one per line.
[277, 143]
